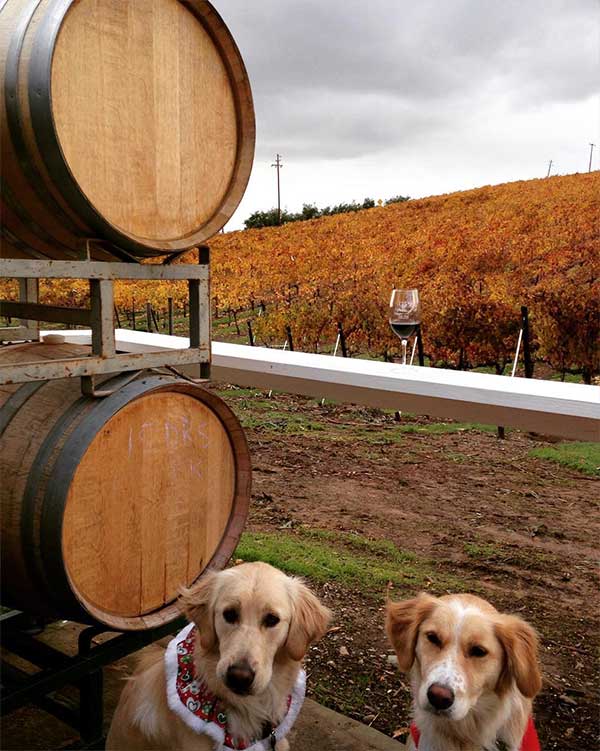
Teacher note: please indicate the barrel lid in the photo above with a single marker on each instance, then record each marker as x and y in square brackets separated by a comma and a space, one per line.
[153, 119]
[152, 486]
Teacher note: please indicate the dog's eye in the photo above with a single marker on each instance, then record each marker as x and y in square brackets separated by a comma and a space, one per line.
[271, 620]
[231, 615]
[477, 651]
[434, 638]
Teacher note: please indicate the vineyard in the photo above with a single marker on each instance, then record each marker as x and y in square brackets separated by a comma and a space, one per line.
[476, 257]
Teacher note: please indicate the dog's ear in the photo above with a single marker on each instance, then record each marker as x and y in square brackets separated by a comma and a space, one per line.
[402, 623]
[309, 623]
[197, 603]
[521, 661]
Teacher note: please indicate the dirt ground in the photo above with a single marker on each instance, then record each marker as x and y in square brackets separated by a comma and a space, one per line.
[518, 530]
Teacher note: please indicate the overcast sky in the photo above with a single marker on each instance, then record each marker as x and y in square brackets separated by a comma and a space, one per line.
[418, 97]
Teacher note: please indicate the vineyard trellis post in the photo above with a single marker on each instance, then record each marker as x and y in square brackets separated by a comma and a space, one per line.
[342, 337]
[250, 334]
[156, 319]
[149, 317]
[526, 342]
[170, 314]
[420, 346]
[289, 340]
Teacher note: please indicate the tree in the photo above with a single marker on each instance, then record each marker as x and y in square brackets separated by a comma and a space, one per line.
[309, 211]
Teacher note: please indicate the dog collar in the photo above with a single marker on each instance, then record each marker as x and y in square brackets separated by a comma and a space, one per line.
[530, 740]
[203, 712]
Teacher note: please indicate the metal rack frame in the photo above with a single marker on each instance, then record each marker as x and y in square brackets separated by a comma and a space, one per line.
[58, 669]
[100, 317]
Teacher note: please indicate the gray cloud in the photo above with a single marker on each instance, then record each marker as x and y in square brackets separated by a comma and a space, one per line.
[344, 78]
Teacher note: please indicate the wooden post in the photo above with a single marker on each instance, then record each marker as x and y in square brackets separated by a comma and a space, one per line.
[526, 343]
[102, 310]
[235, 321]
[148, 317]
[290, 341]
[170, 304]
[420, 346]
[342, 339]
[155, 319]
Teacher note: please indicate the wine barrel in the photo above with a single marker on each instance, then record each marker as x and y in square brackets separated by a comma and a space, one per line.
[127, 121]
[110, 505]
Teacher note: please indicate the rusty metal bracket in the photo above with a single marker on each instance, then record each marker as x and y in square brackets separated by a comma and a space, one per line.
[88, 385]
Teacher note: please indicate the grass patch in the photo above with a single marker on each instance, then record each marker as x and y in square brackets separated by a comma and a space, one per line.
[378, 548]
[281, 422]
[584, 457]
[348, 559]
[457, 457]
[508, 555]
[395, 434]
[234, 393]
[442, 428]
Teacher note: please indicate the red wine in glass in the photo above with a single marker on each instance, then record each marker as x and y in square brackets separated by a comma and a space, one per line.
[405, 315]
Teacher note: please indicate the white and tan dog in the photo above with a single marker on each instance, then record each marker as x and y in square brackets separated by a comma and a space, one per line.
[232, 679]
[473, 670]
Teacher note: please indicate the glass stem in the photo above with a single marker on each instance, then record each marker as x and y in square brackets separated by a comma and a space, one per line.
[404, 343]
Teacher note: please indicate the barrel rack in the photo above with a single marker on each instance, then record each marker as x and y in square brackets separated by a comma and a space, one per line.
[84, 670]
[100, 317]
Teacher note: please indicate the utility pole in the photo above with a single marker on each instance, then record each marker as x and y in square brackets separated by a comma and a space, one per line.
[279, 166]
[592, 146]
[549, 168]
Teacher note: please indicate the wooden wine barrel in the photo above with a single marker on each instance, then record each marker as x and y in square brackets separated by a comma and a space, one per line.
[110, 505]
[129, 121]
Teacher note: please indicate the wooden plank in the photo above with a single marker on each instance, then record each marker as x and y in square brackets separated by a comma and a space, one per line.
[564, 409]
[17, 334]
[87, 366]
[23, 268]
[102, 317]
[49, 313]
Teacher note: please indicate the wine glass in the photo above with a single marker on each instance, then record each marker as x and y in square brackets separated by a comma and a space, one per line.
[405, 315]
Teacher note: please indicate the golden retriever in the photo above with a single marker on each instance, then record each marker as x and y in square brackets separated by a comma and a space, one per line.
[474, 673]
[232, 679]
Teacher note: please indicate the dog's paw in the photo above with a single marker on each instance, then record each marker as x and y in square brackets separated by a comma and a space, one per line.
[282, 745]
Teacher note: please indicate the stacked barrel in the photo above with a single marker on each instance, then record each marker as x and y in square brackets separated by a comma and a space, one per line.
[127, 132]
[129, 121]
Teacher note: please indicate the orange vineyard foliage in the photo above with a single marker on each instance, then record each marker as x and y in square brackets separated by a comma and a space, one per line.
[476, 257]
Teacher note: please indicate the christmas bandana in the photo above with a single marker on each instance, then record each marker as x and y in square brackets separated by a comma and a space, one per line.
[203, 712]
[530, 740]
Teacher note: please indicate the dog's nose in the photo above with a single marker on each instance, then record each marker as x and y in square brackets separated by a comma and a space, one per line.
[440, 697]
[239, 677]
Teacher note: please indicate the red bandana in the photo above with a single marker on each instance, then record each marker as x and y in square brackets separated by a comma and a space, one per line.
[530, 740]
